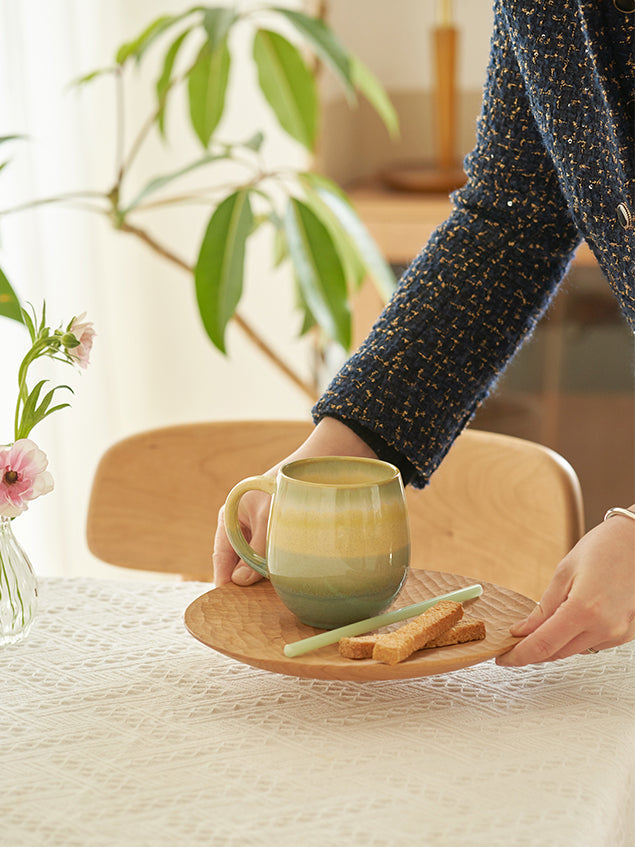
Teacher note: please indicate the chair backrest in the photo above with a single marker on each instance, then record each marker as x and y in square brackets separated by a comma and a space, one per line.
[156, 495]
[499, 508]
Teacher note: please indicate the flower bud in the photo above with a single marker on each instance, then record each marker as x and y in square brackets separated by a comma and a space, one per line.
[69, 341]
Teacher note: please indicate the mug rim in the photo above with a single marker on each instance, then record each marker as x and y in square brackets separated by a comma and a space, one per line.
[367, 460]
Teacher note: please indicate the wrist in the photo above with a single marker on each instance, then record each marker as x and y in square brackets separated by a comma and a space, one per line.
[334, 438]
[620, 512]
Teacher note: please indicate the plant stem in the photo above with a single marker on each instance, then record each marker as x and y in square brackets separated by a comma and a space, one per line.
[308, 388]
[60, 198]
[137, 144]
[119, 122]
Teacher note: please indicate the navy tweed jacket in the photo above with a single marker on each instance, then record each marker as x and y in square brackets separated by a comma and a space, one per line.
[553, 164]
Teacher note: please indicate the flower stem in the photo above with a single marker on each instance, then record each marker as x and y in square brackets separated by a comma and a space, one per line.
[5, 587]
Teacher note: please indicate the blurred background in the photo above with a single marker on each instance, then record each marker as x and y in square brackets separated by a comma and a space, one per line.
[571, 387]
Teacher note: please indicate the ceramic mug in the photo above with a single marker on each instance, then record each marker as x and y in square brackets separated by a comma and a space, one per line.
[338, 539]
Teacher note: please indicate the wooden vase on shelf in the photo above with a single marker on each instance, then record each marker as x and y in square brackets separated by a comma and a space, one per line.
[444, 173]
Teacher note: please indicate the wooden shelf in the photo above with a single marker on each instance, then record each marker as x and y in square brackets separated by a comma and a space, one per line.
[402, 222]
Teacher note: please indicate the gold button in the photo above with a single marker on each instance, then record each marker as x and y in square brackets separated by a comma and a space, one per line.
[624, 216]
[626, 6]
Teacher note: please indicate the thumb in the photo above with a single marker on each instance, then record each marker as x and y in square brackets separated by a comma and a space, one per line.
[536, 617]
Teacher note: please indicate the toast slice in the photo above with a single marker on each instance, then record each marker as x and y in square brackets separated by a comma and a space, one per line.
[394, 647]
[358, 647]
[362, 646]
[460, 633]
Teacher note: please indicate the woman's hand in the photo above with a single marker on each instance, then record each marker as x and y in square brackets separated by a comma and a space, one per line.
[253, 515]
[589, 604]
[329, 438]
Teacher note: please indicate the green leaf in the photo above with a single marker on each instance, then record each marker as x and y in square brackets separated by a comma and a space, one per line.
[4, 138]
[159, 182]
[376, 265]
[32, 414]
[280, 249]
[308, 320]
[207, 87]
[354, 266]
[89, 77]
[165, 80]
[217, 23]
[219, 271]
[9, 303]
[27, 418]
[43, 409]
[319, 271]
[137, 47]
[55, 409]
[366, 82]
[28, 322]
[254, 142]
[324, 42]
[288, 86]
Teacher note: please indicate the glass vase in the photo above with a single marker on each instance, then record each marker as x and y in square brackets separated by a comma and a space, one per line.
[18, 587]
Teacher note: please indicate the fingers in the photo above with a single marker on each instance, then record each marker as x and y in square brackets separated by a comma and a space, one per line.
[536, 617]
[554, 596]
[228, 567]
[589, 604]
[243, 574]
[224, 557]
[583, 643]
[573, 627]
[549, 629]
[542, 644]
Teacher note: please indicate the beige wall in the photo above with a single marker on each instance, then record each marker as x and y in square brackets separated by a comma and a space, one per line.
[395, 40]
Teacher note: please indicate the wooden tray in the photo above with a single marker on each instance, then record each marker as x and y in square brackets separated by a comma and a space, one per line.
[250, 624]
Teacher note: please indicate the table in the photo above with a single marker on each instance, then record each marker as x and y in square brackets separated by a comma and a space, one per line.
[118, 728]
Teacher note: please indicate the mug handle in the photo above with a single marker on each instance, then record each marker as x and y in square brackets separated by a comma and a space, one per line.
[232, 524]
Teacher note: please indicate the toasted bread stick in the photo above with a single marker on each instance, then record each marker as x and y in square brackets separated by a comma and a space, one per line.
[460, 633]
[359, 647]
[394, 647]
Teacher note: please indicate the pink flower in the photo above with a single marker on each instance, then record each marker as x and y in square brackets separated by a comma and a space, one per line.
[84, 332]
[23, 476]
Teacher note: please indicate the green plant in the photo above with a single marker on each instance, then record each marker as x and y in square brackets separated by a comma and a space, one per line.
[313, 225]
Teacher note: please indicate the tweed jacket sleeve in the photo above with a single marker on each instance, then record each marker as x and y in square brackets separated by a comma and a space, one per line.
[473, 294]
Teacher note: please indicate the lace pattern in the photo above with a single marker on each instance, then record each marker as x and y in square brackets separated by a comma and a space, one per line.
[118, 728]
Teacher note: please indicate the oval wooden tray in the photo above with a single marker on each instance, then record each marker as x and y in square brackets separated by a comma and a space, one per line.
[251, 625]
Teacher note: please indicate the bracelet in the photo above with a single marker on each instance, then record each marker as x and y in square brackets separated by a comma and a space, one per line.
[617, 510]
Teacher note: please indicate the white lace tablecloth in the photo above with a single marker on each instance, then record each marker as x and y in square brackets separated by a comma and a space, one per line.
[118, 728]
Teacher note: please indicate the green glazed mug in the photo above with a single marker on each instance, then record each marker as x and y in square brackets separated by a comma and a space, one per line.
[338, 538]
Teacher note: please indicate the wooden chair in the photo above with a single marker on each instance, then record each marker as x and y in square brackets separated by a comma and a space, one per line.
[156, 495]
[499, 508]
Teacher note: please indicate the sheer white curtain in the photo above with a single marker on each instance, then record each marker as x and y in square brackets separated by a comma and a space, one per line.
[151, 364]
